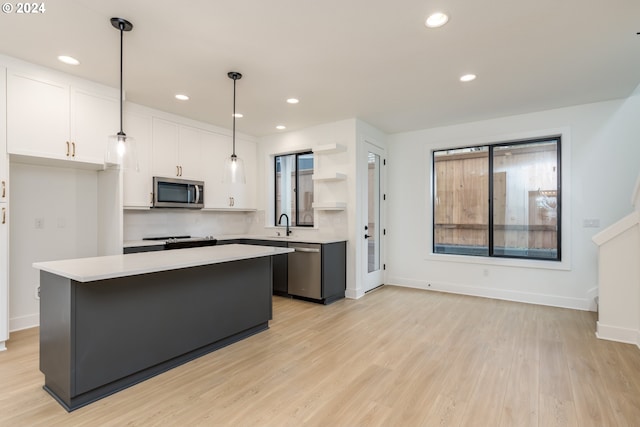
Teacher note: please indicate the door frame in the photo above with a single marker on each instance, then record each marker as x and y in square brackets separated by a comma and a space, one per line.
[370, 281]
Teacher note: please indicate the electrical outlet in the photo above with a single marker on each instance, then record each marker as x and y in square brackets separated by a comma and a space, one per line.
[39, 223]
[591, 223]
[37, 294]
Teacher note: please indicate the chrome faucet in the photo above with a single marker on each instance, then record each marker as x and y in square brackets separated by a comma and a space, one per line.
[280, 222]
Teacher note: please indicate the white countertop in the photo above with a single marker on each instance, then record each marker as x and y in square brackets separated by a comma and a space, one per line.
[109, 267]
[292, 239]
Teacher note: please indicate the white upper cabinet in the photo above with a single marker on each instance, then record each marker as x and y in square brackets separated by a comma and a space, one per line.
[190, 153]
[94, 117]
[165, 148]
[4, 163]
[138, 184]
[176, 150]
[215, 149]
[4, 217]
[54, 119]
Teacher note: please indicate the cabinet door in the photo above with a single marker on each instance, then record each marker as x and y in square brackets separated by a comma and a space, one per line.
[138, 185]
[37, 117]
[244, 195]
[190, 153]
[4, 218]
[4, 163]
[215, 148]
[4, 274]
[165, 148]
[93, 118]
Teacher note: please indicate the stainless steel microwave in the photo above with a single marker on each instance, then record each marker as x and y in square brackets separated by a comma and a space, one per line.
[177, 193]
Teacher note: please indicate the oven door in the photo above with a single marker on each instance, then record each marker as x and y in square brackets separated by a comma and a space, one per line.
[177, 193]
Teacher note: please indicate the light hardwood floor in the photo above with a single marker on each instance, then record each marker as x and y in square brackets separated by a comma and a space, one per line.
[397, 357]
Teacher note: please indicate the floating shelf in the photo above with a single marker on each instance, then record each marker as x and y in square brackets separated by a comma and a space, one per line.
[329, 206]
[329, 177]
[330, 148]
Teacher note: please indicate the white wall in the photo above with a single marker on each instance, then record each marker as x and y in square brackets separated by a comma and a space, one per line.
[327, 224]
[601, 150]
[64, 203]
[619, 280]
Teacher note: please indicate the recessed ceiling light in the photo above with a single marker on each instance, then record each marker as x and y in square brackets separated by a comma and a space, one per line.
[182, 97]
[436, 20]
[68, 60]
[281, 127]
[237, 115]
[468, 77]
[293, 100]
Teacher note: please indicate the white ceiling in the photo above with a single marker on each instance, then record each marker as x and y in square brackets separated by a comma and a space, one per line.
[371, 59]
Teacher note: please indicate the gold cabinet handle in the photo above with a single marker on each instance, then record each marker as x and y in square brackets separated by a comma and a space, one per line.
[4, 215]
[73, 152]
[4, 189]
[180, 170]
[68, 148]
[177, 170]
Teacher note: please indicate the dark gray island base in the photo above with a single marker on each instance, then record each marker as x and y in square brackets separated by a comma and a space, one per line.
[102, 336]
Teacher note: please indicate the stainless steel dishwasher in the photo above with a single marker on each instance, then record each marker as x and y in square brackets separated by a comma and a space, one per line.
[305, 276]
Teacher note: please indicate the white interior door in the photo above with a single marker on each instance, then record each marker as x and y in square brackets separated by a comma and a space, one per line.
[373, 228]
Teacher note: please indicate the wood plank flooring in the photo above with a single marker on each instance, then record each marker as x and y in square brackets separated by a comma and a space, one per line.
[397, 357]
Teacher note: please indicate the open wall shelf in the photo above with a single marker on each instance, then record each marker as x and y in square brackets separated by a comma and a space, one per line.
[329, 148]
[328, 177]
[329, 206]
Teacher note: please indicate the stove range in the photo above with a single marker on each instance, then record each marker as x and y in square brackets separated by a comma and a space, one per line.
[181, 242]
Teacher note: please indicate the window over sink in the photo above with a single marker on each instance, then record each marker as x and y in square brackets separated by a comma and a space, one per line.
[294, 188]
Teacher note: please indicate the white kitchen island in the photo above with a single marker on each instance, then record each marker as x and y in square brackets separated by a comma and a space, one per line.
[107, 323]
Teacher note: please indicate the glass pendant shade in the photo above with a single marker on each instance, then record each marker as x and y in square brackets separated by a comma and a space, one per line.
[122, 153]
[234, 172]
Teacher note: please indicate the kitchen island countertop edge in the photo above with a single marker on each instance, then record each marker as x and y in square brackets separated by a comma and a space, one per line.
[112, 266]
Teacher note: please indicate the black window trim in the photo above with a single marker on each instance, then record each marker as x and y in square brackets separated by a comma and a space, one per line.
[275, 189]
[558, 139]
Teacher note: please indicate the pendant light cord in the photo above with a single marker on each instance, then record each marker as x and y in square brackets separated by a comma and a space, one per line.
[234, 118]
[121, 48]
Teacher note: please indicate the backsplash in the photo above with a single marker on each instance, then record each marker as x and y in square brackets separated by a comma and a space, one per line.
[199, 223]
[172, 222]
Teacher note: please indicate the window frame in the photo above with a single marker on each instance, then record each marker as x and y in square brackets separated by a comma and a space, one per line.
[557, 138]
[296, 195]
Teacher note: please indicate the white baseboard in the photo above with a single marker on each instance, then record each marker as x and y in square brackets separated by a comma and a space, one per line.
[24, 322]
[584, 304]
[616, 333]
[353, 293]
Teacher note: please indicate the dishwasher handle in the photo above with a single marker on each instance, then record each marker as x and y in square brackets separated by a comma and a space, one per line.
[311, 250]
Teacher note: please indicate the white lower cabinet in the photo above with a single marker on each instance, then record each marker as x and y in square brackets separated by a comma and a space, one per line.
[4, 274]
[137, 185]
[218, 195]
[51, 118]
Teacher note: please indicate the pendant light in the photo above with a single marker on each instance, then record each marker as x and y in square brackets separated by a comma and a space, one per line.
[121, 151]
[233, 165]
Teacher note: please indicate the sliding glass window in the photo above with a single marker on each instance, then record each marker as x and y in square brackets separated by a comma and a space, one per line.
[294, 188]
[499, 200]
